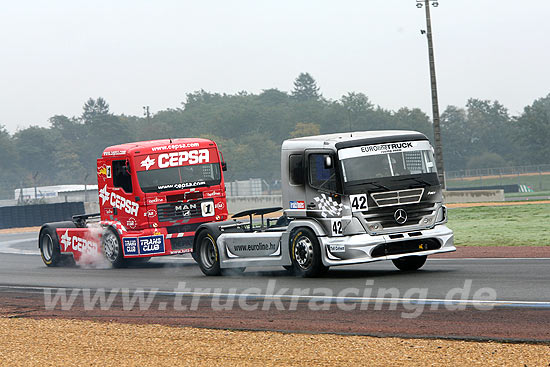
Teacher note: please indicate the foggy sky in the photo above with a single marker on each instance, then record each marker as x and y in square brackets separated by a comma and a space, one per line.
[55, 55]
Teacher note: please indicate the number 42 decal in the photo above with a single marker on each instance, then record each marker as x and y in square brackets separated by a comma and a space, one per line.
[358, 203]
[336, 227]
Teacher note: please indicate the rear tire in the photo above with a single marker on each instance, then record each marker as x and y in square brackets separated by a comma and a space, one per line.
[112, 248]
[49, 247]
[410, 263]
[306, 254]
[207, 254]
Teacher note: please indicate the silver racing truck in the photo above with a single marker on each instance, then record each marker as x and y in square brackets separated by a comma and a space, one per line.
[348, 198]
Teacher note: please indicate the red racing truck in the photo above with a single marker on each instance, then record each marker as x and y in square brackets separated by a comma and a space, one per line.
[152, 197]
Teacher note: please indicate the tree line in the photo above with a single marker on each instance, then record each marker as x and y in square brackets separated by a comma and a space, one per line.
[249, 129]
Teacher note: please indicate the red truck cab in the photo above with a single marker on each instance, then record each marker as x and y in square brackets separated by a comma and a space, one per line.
[152, 197]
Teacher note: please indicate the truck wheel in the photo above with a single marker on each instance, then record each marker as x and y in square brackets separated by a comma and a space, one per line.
[49, 247]
[410, 263]
[112, 250]
[208, 256]
[306, 254]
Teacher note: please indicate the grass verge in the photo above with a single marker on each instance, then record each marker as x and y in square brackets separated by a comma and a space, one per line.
[514, 225]
[526, 194]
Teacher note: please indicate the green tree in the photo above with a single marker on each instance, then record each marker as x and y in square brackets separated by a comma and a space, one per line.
[357, 106]
[103, 129]
[67, 128]
[456, 138]
[489, 125]
[34, 146]
[413, 119]
[273, 97]
[94, 109]
[305, 88]
[305, 129]
[9, 170]
[486, 160]
[533, 130]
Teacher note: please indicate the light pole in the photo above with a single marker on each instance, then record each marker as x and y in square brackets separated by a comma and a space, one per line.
[147, 114]
[435, 103]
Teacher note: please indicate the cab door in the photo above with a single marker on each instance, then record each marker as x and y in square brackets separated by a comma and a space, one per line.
[122, 200]
[323, 187]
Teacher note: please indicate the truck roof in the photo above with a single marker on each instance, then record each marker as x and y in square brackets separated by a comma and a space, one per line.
[351, 139]
[157, 146]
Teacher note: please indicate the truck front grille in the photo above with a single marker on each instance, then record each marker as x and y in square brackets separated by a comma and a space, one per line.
[385, 215]
[177, 211]
[391, 198]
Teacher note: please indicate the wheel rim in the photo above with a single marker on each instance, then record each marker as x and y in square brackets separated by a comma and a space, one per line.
[47, 247]
[303, 252]
[208, 252]
[110, 246]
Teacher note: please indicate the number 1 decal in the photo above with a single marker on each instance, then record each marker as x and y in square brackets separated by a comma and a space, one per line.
[336, 227]
[358, 203]
[207, 208]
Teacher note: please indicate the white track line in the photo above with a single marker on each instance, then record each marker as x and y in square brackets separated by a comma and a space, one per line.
[6, 247]
[338, 299]
[488, 258]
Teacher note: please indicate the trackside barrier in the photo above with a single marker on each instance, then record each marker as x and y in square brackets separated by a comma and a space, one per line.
[38, 214]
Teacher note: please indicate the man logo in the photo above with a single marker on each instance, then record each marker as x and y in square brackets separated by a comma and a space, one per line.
[400, 216]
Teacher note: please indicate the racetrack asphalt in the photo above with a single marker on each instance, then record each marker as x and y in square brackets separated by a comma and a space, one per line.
[449, 297]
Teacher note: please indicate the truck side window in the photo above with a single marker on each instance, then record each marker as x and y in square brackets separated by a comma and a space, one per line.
[319, 176]
[296, 169]
[121, 176]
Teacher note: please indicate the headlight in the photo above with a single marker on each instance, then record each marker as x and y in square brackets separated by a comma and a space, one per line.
[427, 220]
[441, 215]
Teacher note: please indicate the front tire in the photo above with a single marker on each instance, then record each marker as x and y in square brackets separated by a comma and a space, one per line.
[207, 254]
[112, 249]
[306, 254]
[410, 263]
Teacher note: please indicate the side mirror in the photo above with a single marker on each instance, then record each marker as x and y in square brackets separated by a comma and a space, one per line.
[328, 162]
[224, 166]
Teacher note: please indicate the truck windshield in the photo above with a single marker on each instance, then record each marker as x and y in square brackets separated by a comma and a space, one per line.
[372, 162]
[177, 178]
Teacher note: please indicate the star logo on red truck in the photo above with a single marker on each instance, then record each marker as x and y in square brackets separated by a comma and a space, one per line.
[104, 195]
[66, 240]
[147, 163]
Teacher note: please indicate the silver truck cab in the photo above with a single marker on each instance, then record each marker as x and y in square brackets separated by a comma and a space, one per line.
[348, 198]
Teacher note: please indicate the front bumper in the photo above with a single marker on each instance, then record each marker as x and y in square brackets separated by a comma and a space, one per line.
[364, 248]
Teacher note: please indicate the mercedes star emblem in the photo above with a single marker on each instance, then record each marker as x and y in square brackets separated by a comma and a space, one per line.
[400, 216]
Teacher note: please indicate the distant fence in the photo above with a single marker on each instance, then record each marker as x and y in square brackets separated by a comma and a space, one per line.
[36, 215]
[498, 172]
[252, 187]
[504, 188]
[533, 178]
